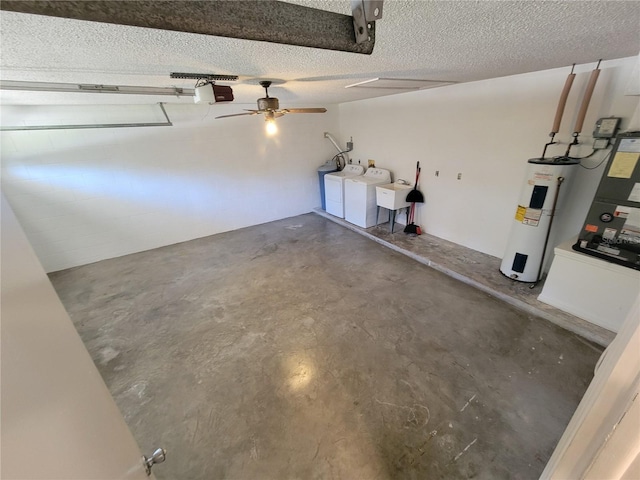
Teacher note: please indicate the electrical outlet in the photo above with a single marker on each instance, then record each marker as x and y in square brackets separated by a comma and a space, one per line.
[437, 173]
[459, 176]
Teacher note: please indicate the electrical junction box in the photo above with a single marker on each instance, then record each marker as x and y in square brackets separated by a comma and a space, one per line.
[600, 143]
[606, 127]
[211, 93]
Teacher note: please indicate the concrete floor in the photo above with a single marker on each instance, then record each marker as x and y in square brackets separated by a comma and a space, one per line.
[299, 349]
[478, 270]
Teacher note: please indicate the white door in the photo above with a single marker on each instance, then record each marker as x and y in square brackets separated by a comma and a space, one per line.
[602, 439]
[58, 419]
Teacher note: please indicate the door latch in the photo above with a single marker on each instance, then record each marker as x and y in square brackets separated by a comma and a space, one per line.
[158, 456]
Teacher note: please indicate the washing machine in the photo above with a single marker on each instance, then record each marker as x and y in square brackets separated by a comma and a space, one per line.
[360, 205]
[334, 188]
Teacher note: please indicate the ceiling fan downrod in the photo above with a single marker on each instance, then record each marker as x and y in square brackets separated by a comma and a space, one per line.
[266, 84]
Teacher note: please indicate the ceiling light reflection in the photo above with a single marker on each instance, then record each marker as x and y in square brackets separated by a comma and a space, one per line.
[300, 371]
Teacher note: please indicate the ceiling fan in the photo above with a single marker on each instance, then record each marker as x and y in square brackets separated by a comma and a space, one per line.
[270, 107]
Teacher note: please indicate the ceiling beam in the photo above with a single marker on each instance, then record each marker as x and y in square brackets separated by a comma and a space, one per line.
[261, 20]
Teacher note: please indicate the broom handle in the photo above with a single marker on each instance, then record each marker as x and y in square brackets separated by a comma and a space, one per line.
[417, 180]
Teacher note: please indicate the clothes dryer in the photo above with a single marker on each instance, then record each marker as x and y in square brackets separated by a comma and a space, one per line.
[334, 188]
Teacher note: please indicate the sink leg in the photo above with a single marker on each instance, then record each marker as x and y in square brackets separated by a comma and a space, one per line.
[392, 214]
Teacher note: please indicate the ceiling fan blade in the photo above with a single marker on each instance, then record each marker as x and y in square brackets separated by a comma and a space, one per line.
[304, 110]
[237, 115]
[278, 114]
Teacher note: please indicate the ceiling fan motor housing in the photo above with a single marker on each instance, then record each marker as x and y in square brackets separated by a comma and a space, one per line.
[268, 103]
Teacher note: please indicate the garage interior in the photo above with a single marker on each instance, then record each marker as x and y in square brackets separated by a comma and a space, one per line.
[252, 334]
[335, 378]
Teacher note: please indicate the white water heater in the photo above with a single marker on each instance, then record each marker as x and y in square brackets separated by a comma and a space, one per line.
[545, 181]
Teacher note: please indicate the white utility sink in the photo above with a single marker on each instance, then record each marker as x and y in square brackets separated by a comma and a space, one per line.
[392, 196]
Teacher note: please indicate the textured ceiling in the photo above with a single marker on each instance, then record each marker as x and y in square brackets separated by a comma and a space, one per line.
[437, 40]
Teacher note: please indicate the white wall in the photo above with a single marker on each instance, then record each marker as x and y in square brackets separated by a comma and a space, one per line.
[87, 195]
[485, 130]
[53, 400]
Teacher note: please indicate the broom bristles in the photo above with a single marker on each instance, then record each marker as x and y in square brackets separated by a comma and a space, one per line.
[415, 196]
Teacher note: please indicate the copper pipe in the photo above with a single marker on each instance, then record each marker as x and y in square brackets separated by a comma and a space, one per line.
[586, 99]
[562, 102]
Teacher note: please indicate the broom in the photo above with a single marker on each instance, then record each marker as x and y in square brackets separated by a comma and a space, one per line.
[415, 195]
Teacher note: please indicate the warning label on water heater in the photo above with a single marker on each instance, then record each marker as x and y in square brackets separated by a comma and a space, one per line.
[532, 217]
[528, 216]
[544, 176]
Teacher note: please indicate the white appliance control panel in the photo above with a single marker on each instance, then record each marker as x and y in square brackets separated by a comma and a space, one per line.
[377, 173]
[353, 169]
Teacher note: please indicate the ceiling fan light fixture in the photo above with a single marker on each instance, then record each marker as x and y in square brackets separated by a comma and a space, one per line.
[270, 127]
